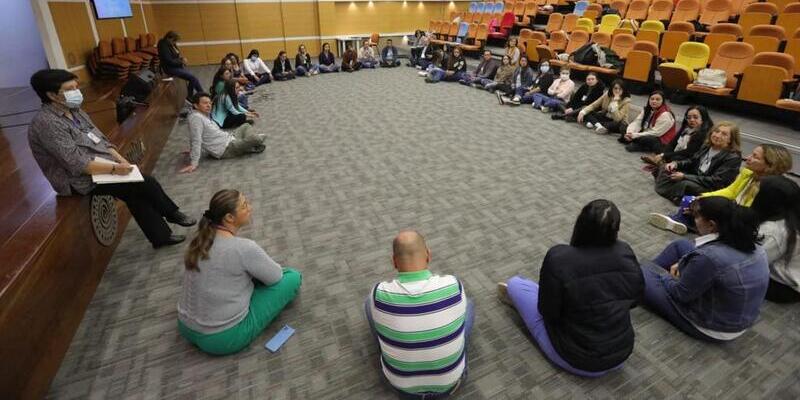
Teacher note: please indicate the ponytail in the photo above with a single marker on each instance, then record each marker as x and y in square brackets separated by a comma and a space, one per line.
[737, 226]
[222, 203]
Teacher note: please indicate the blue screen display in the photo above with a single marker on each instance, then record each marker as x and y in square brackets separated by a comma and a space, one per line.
[112, 8]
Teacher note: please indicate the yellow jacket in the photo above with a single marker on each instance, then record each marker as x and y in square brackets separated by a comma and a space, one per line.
[743, 190]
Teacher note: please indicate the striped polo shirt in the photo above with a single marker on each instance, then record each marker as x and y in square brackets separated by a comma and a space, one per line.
[419, 318]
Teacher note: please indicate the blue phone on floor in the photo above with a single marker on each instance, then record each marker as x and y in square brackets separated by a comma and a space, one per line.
[279, 339]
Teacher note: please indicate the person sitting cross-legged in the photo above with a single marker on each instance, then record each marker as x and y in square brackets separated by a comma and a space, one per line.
[282, 67]
[455, 69]
[302, 63]
[350, 61]
[206, 136]
[389, 55]
[366, 56]
[609, 113]
[226, 111]
[327, 61]
[521, 82]
[502, 78]
[232, 289]
[255, 69]
[585, 95]
[485, 70]
[541, 82]
[711, 288]
[579, 312]
[422, 323]
[557, 94]
[653, 129]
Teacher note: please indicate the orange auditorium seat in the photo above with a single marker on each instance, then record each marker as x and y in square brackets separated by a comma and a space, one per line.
[733, 58]
[764, 80]
[555, 44]
[621, 6]
[660, 10]
[793, 47]
[621, 44]
[715, 11]
[601, 38]
[638, 10]
[765, 37]
[554, 22]
[686, 11]
[672, 39]
[721, 33]
[120, 51]
[576, 40]
[641, 62]
[789, 18]
[757, 14]
[570, 21]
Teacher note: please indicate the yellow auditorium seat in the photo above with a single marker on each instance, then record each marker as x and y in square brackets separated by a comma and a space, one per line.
[733, 58]
[764, 80]
[686, 11]
[692, 56]
[608, 23]
[585, 24]
[671, 40]
[765, 37]
[640, 62]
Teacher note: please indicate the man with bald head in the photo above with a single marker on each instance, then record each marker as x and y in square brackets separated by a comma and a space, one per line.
[422, 322]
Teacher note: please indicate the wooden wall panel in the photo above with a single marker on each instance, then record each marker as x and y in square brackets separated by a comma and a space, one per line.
[108, 29]
[195, 55]
[74, 31]
[135, 25]
[219, 21]
[259, 20]
[312, 47]
[152, 22]
[215, 52]
[300, 19]
[83, 75]
[182, 18]
[358, 18]
[267, 50]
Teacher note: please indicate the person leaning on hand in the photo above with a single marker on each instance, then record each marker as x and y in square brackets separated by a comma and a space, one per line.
[65, 143]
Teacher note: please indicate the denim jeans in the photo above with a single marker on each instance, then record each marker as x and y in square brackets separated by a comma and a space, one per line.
[328, 68]
[524, 294]
[192, 82]
[301, 70]
[469, 320]
[543, 100]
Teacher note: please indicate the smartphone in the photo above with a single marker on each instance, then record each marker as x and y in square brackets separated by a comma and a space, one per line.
[279, 339]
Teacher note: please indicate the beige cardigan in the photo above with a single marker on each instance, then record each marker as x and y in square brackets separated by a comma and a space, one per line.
[601, 104]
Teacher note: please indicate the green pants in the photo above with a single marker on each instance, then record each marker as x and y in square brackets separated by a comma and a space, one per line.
[265, 304]
[245, 141]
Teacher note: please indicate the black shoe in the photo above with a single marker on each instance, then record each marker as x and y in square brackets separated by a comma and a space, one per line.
[258, 149]
[557, 116]
[181, 219]
[172, 240]
[633, 148]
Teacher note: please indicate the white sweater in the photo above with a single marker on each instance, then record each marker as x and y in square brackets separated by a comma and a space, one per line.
[775, 235]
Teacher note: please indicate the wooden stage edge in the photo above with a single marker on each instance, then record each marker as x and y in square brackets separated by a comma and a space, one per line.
[52, 259]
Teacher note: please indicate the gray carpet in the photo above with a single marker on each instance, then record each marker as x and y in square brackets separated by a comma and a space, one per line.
[352, 159]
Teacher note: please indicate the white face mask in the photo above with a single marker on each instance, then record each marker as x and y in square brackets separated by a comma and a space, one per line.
[73, 99]
[254, 58]
[544, 68]
[564, 77]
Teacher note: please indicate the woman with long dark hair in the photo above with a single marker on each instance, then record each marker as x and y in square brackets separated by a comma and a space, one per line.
[232, 289]
[327, 61]
[579, 312]
[653, 128]
[691, 135]
[227, 112]
[713, 167]
[610, 112]
[777, 208]
[711, 288]
[174, 63]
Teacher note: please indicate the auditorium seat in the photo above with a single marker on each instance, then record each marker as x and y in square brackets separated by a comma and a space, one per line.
[146, 43]
[660, 10]
[780, 3]
[608, 23]
[518, 10]
[678, 33]
[686, 11]
[570, 21]
[528, 15]
[601, 38]
[789, 18]
[504, 30]
[577, 39]
[721, 33]
[621, 6]
[765, 38]
[757, 14]
[554, 22]
[147, 59]
[650, 31]
[764, 80]
[620, 31]
[715, 11]
[793, 48]
[585, 24]
[692, 56]
[555, 44]
[479, 42]
[621, 44]
[733, 58]
[531, 50]
[640, 62]
[638, 10]
[120, 51]
[104, 65]
[788, 104]
[593, 12]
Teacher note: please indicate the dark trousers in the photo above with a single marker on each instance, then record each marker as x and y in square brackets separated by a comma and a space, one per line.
[351, 67]
[390, 63]
[259, 80]
[234, 121]
[780, 293]
[283, 76]
[599, 117]
[675, 190]
[192, 82]
[646, 144]
[148, 204]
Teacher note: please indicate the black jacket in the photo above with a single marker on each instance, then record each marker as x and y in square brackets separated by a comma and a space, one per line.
[526, 79]
[578, 101]
[585, 297]
[543, 81]
[695, 143]
[327, 59]
[279, 67]
[487, 69]
[302, 61]
[722, 171]
[169, 55]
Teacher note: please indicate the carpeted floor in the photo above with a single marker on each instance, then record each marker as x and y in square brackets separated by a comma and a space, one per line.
[352, 159]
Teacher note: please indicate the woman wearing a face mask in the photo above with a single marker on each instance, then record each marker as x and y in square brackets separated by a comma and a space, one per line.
[65, 143]
[585, 95]
[653, 128]
[610, 112]
[540, 84]
[255, 69]
[557, 94]
[174, 63]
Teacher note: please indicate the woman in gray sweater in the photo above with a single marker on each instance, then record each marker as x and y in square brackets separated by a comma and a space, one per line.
[232, 289]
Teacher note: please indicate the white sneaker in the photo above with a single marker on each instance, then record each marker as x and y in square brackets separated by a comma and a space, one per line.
[422, 73]
[589, 125]
[666, 223]
[502, 294]
[600, 129]
[545, 109]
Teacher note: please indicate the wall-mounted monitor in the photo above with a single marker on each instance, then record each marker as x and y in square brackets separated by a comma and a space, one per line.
[105, 9]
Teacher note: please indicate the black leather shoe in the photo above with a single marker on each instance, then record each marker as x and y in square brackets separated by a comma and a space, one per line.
[181, 219]
[172, 240]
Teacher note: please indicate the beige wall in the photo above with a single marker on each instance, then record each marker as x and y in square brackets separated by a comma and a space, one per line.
[268, 26]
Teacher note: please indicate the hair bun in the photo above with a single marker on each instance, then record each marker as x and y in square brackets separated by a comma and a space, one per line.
[207, 215]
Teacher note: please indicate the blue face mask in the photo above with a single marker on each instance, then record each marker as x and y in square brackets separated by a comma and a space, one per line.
[73, 99]
[544, 68]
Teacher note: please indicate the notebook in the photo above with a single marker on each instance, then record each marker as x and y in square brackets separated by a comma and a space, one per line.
[101, 179]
